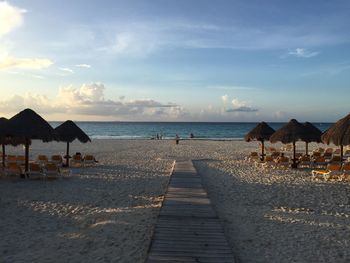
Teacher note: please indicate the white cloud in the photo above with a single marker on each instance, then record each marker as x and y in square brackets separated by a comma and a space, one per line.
[68, 70]
[89, 100]
[303, 53]
[8, 62]
[240, 106]
[11, 17]
[224, 98]
[83, 66]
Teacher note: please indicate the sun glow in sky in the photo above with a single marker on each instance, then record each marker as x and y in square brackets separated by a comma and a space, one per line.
[182, 60]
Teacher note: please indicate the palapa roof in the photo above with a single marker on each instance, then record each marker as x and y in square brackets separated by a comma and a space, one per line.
[261, 132]
[29, 125]
[69, 131]
[314, 134]
[291, 132]
[7, 140]
[339, 133]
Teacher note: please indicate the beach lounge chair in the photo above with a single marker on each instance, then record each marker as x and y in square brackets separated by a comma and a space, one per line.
[11, 159]
[304, 161]
[333, 171]
[329, 150]
[335, 159]
[12, 169]
[35, 171]
[42, 159]
[346, 172]
[253, 156]
[51, 170]
[336, 152]
[57, 159]
[347, 154]
[76, 160]
[89, 159]
[319, 162]
[20, 160]
[283, 162]
[268, 162]
[328, 156]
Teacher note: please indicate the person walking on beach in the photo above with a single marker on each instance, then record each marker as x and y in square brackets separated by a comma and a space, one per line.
[177, 139]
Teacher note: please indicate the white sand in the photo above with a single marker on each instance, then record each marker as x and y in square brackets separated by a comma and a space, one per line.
[107, 213]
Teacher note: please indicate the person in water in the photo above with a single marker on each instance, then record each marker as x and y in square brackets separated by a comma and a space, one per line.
[191, 135]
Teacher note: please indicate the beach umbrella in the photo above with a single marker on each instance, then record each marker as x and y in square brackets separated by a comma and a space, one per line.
[26, 126]
[262, 133]
[68, 132]
[313, 135]
[339, 134]
[292, 132]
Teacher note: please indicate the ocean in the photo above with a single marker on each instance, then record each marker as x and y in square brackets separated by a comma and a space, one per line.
[168, 130]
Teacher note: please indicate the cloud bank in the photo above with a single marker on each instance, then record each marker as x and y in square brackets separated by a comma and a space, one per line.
[89, 100]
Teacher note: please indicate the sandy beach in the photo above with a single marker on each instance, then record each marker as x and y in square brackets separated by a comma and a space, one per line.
[106, 213]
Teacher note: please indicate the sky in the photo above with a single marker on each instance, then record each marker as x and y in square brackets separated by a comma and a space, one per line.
[183, 60]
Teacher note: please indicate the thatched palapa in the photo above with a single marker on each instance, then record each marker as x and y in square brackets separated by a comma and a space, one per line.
[262, 133]
[339, 133]
[292, 132]
[28, 125]
[68, 132]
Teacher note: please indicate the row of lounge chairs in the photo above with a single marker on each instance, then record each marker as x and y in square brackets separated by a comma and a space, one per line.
[76, 159]
[43, 167]
[334, 171]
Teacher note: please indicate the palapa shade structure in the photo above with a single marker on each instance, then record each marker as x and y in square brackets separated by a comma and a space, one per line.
[339, 134]
[26, 126]
[292, 132]
[262, 133]
[68, 132]
[314, 135]
[7, 140]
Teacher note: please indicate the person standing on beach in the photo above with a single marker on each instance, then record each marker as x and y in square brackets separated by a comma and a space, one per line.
[177, 139]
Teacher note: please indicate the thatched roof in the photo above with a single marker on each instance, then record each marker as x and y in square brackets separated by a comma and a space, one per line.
[314, 134]
[69, 131]
[7, 140]
[29, 125]
[261, 132]
[339, 133]
[291, 132]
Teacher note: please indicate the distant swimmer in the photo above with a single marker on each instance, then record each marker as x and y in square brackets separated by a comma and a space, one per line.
[191, 135]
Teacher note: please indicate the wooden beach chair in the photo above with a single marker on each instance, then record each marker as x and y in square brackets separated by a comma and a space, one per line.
[42, 159]
[319, 162]
[333, 171]
[57, 159]
[269, 162]
[253, 156]
[346, 172]
[20, 160]
[335, 159]
[12, 169]
[283, 162]
[35, 171]
[304, 161]
[51, 170]
[76, 160]
[11, 159]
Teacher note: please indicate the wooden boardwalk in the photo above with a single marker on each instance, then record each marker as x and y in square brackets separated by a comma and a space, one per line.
[188, 229]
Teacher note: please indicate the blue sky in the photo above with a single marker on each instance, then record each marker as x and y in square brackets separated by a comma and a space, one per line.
[176, 60]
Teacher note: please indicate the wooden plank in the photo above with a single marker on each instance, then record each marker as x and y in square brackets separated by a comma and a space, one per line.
[188, 229]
